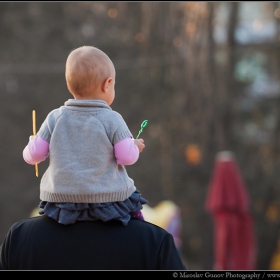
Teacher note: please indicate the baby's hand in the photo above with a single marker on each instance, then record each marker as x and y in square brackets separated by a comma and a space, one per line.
[140, 144]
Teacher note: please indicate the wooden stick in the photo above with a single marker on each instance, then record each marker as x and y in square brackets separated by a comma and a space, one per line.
[34, 133]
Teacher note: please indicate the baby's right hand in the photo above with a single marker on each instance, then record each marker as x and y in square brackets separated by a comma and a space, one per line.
[140, 144]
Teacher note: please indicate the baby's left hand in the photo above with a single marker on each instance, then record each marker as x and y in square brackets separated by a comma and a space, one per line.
[140, 144]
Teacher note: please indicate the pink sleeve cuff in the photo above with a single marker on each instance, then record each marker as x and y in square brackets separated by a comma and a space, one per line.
[37, 150]
[126, 152]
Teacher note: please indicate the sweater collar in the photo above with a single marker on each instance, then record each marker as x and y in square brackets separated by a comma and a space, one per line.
[87, 103]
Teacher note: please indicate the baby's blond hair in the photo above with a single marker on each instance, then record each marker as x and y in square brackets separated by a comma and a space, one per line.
[86, 68]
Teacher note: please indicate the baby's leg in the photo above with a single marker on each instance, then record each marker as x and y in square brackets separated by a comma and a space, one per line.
[138, 215]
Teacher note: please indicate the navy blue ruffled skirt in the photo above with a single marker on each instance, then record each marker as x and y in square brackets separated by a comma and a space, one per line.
[69, 213]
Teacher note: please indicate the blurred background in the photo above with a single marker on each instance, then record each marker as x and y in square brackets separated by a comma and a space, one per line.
[205, 74]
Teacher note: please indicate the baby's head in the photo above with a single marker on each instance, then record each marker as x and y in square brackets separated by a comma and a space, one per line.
[87, 69]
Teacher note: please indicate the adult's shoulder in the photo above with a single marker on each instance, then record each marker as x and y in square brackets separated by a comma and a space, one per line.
[32, 221]
[160, 242]
[147, 228]
[146, 225]
[19, 229]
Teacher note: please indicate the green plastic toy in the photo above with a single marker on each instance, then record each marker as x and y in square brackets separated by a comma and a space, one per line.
[143, 125]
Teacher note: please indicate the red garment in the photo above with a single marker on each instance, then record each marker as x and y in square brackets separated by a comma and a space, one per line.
[228, 203]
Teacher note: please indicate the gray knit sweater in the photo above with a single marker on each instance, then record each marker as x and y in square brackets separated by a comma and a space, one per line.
[82, 166]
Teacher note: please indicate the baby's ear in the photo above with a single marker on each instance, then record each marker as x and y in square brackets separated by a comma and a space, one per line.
[107, 83]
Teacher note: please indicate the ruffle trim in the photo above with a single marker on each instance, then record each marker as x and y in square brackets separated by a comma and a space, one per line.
[69, 213]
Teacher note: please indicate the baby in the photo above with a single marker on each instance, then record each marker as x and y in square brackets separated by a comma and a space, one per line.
[88, 145]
